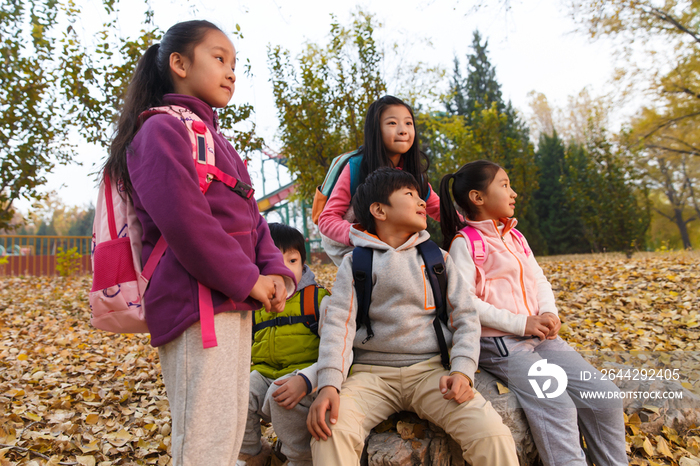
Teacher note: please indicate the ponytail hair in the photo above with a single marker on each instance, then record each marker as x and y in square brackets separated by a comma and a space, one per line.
[450, 222]
[476, 175]
[150, 82]
[415, 161]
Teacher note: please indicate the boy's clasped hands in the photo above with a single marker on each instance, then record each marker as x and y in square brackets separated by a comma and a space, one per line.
[545, 325]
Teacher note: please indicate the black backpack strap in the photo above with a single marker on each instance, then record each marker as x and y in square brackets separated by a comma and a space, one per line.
[362, 274]
[285, 320]
[437, 275]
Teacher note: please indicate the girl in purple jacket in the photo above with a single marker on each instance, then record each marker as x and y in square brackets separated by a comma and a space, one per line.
[217, 242]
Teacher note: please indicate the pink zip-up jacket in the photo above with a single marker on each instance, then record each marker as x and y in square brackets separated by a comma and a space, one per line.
[510, 286]
[337, 216]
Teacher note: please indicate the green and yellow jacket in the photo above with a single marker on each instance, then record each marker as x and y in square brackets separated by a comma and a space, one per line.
[285, 342]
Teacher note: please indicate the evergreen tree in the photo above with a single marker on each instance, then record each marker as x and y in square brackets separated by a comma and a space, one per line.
[479, 125]
[480, 88]
[457, 103]
[601, 188]
[561, 229]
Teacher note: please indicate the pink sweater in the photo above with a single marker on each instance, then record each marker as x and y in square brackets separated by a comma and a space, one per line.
[337, 216]
[510, 286]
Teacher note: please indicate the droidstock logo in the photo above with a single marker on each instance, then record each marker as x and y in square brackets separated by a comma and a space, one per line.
[542, 369]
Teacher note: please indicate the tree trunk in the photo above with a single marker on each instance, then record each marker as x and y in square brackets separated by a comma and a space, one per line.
[682, 228]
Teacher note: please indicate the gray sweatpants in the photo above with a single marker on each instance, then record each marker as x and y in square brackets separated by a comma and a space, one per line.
[289, 424]
[555, 418]
[208, 391]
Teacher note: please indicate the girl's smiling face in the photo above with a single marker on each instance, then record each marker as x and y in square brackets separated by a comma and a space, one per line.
[209, 75]
[398, 132]
[498, 201]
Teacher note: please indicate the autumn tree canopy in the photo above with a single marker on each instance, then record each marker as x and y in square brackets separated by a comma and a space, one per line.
[55, 80]
[322, 97]
[664, 133]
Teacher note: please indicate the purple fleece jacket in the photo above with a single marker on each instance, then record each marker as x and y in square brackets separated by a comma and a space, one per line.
[218, 239]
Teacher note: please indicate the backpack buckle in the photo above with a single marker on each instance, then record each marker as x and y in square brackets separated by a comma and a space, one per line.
[283, 321]
[244, 190]
[314, 328]
[439, 269]
[360, 276]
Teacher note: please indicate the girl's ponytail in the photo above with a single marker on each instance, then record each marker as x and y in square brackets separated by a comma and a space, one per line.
[149, 84]
[145, 90]
[450, 223]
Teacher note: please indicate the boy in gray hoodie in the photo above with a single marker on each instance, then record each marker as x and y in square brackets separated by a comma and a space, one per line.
[399, 368]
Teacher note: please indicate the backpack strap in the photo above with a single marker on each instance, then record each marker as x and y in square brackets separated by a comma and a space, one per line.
[354, 162]
[478, 245]
[202, 150]
[309, 306]
[337, 166]
[110, 207]
[362, 274]
[430, 191]
[307, 320]
[479, 250]
[437, 275]
[308, 300]
[521, 239]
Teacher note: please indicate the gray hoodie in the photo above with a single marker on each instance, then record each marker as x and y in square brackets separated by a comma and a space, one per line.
[402, 311]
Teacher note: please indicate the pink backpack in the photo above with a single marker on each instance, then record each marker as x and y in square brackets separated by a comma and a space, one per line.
[119, 282]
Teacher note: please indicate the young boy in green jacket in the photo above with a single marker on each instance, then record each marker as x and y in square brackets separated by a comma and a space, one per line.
[285, 350]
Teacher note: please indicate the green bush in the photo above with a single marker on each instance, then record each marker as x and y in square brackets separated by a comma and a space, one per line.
[68, 262]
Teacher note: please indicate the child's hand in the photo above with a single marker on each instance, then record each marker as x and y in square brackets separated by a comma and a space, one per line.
[327, 399]
[264, 291]
[280, 299]
[540, 326]
[459, 388]
[291, 391]
[556, 325]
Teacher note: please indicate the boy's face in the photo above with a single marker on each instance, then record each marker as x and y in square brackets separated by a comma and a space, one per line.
[405, 212]
[292, 259]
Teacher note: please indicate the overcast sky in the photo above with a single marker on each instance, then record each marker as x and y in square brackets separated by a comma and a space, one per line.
[533, 46]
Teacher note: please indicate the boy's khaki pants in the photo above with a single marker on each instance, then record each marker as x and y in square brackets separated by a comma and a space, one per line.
[373, 393]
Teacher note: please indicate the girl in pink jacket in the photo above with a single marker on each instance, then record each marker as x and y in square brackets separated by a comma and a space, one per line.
[520, 323]
[390, 140]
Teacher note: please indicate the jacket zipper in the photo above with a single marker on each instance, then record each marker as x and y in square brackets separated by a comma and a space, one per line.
[522, 284]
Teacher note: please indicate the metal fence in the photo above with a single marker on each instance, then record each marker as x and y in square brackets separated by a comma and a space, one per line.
[39, 255]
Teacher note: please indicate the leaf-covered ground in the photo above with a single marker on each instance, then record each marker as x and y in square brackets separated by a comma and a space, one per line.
[73, 395]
